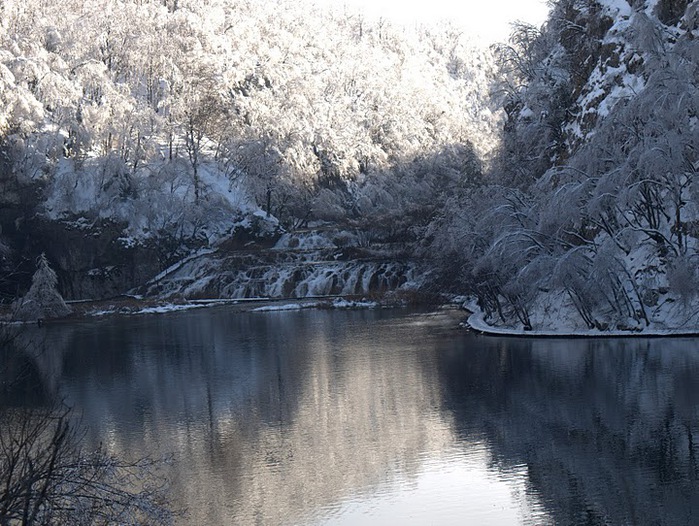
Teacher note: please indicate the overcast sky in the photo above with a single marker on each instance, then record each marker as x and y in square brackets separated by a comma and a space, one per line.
[486, 19]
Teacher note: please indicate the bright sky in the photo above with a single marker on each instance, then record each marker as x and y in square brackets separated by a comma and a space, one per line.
[488, 20]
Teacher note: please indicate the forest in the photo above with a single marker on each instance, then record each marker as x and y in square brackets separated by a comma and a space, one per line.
[167, 125]
[588, 218]
[548, 179]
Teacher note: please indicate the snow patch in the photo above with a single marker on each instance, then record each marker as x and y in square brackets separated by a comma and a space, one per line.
[286, 307]
[181, 263]
[159, 309]
[304, 241]
[342, 303]
[620, 8]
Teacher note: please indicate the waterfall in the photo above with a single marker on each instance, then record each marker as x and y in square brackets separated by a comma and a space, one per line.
[298, 266]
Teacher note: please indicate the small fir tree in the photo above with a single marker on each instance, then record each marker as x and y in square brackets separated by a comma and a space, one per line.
[43, 299]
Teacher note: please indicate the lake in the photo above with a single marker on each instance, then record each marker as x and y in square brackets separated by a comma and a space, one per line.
[383, 417]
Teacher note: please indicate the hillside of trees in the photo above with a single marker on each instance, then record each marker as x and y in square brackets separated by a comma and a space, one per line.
[550, 178]
[589, 218]
[166, 125]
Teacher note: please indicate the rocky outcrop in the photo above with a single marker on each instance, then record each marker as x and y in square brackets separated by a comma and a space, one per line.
[92, 260]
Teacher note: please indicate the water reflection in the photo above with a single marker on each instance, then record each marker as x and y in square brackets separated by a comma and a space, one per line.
[606, 428]
[381, 418]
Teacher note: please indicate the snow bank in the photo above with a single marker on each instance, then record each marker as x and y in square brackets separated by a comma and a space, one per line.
[286, 307]
[338, 303]
[476, 322]
[158, 309]
[342, 303]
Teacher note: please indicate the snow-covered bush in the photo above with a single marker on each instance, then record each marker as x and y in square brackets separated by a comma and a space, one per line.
[43, 300]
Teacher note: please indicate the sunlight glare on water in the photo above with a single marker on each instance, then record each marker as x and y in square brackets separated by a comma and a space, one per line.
[457, 488]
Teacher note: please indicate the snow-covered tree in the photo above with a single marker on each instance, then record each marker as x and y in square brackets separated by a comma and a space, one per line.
[592, 214]
[43, 300]
[173, 118]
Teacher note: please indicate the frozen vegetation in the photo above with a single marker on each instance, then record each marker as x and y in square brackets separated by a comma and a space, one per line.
[144, 140]
[43, 299]
[588, 220]
[237, 149]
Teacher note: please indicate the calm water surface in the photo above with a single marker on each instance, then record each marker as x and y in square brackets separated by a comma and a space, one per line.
[385, 417]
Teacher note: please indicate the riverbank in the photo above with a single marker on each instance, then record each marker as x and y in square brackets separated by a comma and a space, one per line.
[453, 314]
[476, 322]
[129, 305]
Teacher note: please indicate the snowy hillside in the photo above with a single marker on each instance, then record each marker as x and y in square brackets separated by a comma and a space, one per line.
[590, 218]
[170, 122]
[551, 178]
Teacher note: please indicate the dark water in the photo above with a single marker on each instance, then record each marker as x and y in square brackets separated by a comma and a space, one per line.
[383, 417]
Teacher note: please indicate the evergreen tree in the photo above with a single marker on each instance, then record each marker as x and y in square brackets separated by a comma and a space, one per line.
[43, 299]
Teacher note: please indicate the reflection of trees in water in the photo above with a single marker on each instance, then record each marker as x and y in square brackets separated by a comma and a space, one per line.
[30, 366]
[361, 423]
[607, 428]
[342, 434]
[279, 413]
[271, 415]
[175, 383]
[180, 368]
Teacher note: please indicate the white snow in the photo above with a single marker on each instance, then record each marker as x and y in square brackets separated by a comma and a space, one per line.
[526, 113]
[159, 309]
[477, 322]
[630, 86]
[182, 262]
[620, 8]
[342, 303]
[285, 307]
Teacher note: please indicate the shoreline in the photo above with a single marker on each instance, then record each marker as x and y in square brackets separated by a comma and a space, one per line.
[477, 324]
[133, 305]
[470, 318]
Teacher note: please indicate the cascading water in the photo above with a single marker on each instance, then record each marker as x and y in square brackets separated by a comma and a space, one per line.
[305, 280]
[301, 265]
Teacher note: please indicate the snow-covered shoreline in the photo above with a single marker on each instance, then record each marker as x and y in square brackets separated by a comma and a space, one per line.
[476, 322]
[243, 305]
[132, 306]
